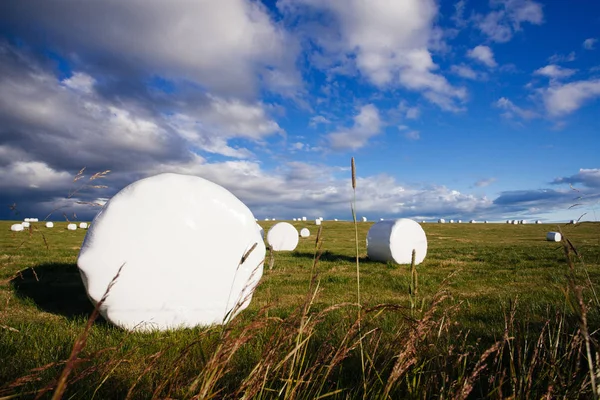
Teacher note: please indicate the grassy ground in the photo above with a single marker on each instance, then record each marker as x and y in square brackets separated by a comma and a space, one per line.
[492, 281]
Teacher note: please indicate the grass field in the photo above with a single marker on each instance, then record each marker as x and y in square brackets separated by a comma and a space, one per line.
[497, 312]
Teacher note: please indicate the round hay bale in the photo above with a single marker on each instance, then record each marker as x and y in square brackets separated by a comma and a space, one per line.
[364, 219]
[395, 241]
[459, 221]
[553, 237]
[25, 224]
[304, 219]
[318, 221]
[538, 222]
[189, 264]
[17, 227]
[282, 237]
[49, 224]
[72, 227]
[335, 219]
[83, 225]
[304, 232]
[441, 221]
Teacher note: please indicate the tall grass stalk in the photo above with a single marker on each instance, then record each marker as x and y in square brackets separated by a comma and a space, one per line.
[353, 207]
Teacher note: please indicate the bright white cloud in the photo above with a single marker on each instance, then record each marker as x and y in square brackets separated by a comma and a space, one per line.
[32, 175]
[388, 41]
[484, 55]
[507, 17]
[555, 72]
[558, 58]
[563, 99]
[318, 119]
[366, 125]
[225, 46]
[511, 109]
[590, 44]
[464, 71]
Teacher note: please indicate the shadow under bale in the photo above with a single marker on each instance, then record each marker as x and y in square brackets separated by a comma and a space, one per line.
[55, 288]
[333, 257]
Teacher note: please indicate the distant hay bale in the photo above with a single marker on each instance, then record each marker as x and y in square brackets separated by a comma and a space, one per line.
[514, 222]
[335, 219]
[293, 219]
[364, 219]
[553, 237]
[396, 240]
[27, 220]
[72, 227]
[283, 237]
[83, 225]
[573, 222]
[459, 221]
[441, 221]
[538, 222]
[485, 222]
[451, 221]
[49, 224]
[25, 224]
[318, 221]
[304, 219]
[17, 227]
[472, 221]
[33, 220]
[305, 232]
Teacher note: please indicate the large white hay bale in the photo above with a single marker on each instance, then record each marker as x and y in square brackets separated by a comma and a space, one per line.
[25, 224]
[49, 224]
[294, 219]
[27, 220]
[573, 222]
[459, 221]
[395, 241]
[83, 225]
[451, 221]
[16, 227]
[364, 219]
[472, 221]
[266, 219]
[441, 221]
[514, 222]
[553, 237]
[318, 221]
[72, 227]
[304, 232]
[304, 219]
[523, 222]
[282, 237]
[180, 240]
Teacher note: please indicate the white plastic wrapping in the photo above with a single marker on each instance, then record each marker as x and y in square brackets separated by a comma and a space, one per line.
[304, 232]
[17, 227]
[553, 237]
[395, 241]
[282, 237]
[181, 240]
[49, 224]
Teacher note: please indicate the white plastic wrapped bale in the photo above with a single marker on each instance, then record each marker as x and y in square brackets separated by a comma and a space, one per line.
[182, 267]
[34, 220]
[27, 220]
[459, 221]
[49, 224]
[72, 227]
[573, 222]
[282, 237]
[523, 221]
[485, 222]
[335, 219]
[472, 221]
[25, 224]
[514, 222]
[395, 241]
[304, 232]
[294, 219]
[381, 219]
[266, 219]
[318, 221]
[16, 227]
[553, 237]
[538, 222]
[441, 221]
[83, 225]
[364, 219]
[451, 221]
[304, 219]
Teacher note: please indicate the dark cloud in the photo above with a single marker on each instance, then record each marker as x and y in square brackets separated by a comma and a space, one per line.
[587, 177]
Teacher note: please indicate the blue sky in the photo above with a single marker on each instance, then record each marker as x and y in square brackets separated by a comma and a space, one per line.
[452, 109]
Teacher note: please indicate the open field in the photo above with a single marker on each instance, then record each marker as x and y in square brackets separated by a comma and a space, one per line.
[480, 273]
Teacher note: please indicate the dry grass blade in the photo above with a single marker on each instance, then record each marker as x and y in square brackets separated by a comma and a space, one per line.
[61, 385]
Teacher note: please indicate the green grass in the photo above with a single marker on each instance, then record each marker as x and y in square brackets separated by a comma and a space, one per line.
[485, 268]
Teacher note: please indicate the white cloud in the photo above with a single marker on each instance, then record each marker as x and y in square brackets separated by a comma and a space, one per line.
[464, 71]
[366, 125]
[508, 16]
[485, 182]
[484, 55]
[407, 111]
[511, 109]
[33, 175]
[557, 58]
[225, 46]
[566, 98]
[590, 44]
[589, 177]
[388, 42]
[555, 71]
[412, 135]
[318, 119]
